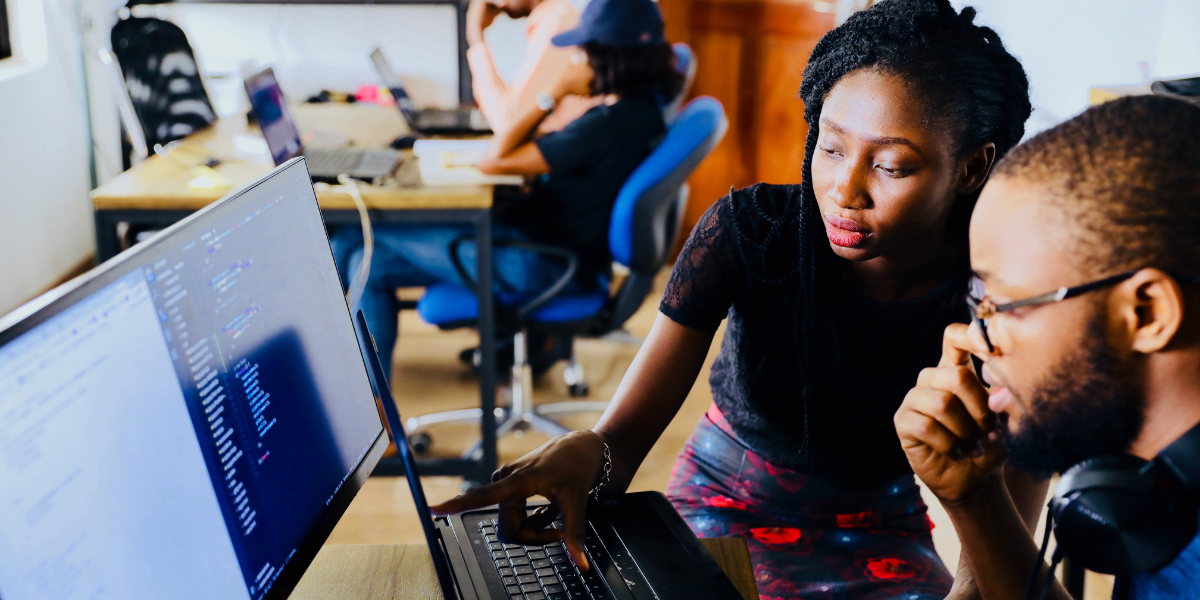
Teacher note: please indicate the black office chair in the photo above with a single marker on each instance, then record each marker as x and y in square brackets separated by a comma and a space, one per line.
[159, 76]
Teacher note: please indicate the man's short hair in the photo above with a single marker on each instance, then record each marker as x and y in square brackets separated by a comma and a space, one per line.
[1127, 173]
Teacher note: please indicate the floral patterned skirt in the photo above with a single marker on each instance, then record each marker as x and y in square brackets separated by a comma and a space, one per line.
[807, 538]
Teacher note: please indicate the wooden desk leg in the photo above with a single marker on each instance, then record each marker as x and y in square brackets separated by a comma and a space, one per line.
[108, 244]
[487, 346]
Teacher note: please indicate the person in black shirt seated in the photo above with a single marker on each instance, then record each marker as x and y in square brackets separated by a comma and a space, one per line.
[835, 294]
[577, 172]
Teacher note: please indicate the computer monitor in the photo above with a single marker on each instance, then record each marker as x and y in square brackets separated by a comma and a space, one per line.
[274, 117]
[190, 419]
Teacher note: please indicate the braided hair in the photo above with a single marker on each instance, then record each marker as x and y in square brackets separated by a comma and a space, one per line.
[959, 70]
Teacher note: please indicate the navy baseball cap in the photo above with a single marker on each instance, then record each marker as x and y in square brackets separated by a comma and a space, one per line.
[616, 23]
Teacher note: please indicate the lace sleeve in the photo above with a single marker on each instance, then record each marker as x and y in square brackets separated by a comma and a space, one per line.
[706, 277]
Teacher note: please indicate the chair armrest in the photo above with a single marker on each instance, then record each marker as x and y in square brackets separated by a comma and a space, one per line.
[542, 298]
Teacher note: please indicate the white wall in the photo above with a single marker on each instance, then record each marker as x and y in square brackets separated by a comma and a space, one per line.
[315, 47]
[1069, 46]
[311, 47]
[45, 215]
[1179, 43]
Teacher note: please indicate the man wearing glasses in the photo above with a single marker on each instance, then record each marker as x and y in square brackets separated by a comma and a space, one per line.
[1086, 318]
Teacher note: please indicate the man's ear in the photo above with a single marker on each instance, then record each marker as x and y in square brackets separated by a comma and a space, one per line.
[1152, 305]
[975, 167]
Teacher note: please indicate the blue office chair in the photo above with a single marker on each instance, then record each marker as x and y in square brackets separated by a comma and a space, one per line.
[645, 222]
[685, 62]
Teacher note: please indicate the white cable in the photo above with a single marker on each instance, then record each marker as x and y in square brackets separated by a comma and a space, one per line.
[358, 282]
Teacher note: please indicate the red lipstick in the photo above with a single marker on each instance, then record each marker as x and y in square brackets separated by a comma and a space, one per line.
[844, 232]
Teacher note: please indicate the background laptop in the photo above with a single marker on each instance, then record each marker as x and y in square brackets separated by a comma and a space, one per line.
[283, 139]
[428, 121]
[190, 419]
[638, 546]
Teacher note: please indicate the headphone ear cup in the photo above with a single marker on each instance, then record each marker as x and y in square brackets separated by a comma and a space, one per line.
[1111, 518]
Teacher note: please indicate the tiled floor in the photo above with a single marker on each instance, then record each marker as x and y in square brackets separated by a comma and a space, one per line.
[427, 377]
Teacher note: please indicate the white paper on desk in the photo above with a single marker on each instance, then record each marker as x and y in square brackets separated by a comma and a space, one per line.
[454, 162]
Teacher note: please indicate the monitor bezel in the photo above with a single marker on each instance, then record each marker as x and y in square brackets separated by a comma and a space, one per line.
[46, 306]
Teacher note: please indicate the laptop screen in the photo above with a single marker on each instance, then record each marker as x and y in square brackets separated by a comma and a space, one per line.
[185, 422]
[389, 78]
[274, 117]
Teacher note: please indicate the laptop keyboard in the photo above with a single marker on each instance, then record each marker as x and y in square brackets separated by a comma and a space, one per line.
[442, 119]
[355, 163]
[545, 572]
[333, 161]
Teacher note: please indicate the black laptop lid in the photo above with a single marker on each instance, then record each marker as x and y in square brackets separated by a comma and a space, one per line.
[190, 419]
[389, 78]
[274, 117]
[384, 394]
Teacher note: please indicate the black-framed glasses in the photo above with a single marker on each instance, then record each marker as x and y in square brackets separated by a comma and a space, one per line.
[983, 309]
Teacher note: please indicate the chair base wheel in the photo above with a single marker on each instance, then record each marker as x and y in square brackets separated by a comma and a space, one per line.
[420, 443]
[578, 390]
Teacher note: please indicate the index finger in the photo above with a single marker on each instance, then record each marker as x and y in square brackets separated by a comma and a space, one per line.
[956, 346]
[492, 493]
[574, 512]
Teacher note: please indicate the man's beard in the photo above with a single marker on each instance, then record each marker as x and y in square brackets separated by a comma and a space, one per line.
[1089, 405]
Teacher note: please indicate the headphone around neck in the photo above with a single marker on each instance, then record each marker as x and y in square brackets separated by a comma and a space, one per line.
[1122, 515]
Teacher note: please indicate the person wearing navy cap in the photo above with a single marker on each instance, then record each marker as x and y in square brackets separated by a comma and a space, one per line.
[626, 66]
[616, 23]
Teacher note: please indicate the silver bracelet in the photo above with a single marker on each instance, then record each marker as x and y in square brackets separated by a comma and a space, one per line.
[604, 477]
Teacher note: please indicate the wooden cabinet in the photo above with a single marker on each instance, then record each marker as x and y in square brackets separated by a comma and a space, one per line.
[750, 55]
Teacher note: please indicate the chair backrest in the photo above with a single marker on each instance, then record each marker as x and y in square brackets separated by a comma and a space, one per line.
[644, 217]
[685, 62]
[649, 208]
[161, 78]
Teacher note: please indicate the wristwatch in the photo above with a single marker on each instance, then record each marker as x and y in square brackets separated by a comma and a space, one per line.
[546, 102]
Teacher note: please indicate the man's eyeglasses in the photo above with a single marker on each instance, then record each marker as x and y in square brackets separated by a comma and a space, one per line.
[983, 309]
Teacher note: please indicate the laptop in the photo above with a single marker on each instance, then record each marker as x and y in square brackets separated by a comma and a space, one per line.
[638, 545]
[190, 419]
[429, 121]
[283, 139]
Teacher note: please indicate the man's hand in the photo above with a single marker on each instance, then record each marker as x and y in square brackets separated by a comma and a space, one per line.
[480, 15]
[946, 429]
[576, 79]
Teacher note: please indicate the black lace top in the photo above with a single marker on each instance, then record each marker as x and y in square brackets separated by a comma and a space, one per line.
[741, 263]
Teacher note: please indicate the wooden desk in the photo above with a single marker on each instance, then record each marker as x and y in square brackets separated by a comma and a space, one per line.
[156, 194]
[387, 572]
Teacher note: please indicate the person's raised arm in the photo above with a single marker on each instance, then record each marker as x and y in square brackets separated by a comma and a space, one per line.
[564, 469]
[949, 436]
[486, 84]
[513, 150]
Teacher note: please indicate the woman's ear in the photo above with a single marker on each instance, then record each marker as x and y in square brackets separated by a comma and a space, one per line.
[974, 168]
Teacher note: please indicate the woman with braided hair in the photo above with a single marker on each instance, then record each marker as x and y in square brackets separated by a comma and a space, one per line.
[835, 293]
